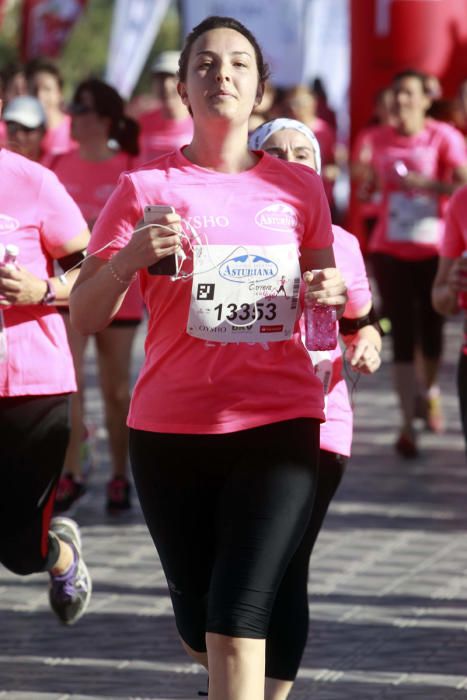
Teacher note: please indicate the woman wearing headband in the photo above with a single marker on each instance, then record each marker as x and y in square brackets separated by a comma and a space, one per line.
[224, 459]
[293, 141]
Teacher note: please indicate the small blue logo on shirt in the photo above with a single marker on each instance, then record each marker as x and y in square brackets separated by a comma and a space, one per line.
[248, 268]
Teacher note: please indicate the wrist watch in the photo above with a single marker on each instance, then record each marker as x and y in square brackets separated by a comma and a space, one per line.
[49, 296]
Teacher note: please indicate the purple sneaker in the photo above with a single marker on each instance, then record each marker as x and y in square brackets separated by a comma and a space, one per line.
[69, 593]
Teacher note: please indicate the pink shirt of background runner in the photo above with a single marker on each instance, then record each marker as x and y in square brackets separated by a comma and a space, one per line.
[38, 216]
[336, 432]
[187, 385]
[91, 183]
[57, 141]
[326, 136]
[159, 135]
[433, 152]
[455, 235]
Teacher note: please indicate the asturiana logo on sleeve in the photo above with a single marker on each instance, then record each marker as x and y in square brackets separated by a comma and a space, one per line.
[277, 217]
[8, 224]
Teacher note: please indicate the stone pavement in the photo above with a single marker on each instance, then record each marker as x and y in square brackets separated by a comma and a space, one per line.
[388, 583]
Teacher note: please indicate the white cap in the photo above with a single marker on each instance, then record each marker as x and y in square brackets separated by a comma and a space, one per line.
[25, 110]
[166, 62]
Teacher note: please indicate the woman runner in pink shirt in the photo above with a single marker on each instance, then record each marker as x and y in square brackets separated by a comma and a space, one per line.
[90, 174]
[46, 83]
[224, 418]
[39, 224]
[418, 163]
[293, 141]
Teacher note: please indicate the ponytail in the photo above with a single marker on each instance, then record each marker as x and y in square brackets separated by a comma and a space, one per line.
[126, 133]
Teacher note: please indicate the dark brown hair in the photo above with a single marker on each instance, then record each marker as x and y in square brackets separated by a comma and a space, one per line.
[412, 73]
[42, 65]
[108, 103]
[215, 22]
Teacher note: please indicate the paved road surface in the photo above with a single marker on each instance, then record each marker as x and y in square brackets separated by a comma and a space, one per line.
[388, 583]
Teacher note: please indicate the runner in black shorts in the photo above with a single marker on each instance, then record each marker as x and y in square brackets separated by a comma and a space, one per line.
[225, 414]
[40, 224]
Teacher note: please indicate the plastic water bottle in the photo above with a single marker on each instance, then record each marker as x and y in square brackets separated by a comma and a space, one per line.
[10, 254]
[320, 325]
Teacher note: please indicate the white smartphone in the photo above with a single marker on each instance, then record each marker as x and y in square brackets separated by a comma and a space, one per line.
[168, 265]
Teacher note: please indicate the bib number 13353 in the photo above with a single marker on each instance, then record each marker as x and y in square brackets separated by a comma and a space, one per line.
[246, 294]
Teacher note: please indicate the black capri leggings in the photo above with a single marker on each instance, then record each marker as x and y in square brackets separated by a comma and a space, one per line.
[405, 288]
[288, 629]
[226, 513]
[34, 432]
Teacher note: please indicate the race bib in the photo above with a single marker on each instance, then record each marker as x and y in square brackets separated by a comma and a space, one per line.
[244, 294]
[413, 218]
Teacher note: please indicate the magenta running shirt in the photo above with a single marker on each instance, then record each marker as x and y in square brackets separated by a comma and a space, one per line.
[91, 183]
[190, 385]
[37, 215]
[160, 135]
[336, 432]
[455, 236]
[57, 140]
[411, 223]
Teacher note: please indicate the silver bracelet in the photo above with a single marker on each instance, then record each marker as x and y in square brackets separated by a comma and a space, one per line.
[115, 275]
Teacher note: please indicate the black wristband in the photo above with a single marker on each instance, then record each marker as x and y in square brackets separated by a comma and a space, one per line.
[350, 326]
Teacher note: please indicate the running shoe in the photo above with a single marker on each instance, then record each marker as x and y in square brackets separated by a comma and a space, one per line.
[204, 693]
[434, 414]
[69, 490]
[406, 446]
[70, 593]
[118, 494]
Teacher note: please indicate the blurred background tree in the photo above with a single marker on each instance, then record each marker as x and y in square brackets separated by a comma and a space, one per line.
[85, 53]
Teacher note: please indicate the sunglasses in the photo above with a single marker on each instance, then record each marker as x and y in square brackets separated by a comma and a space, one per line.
[78, 108]
[14, 127]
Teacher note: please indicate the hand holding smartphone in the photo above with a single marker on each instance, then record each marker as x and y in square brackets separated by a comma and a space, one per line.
[168, 265]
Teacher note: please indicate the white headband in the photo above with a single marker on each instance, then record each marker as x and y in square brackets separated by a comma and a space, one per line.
[263, 132]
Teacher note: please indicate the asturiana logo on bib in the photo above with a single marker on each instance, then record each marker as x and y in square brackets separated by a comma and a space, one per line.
[247, 268]
[8, 224]
[277, 217]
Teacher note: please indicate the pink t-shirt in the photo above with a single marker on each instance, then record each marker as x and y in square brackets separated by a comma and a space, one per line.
[188, 385]
[91, 183]
[159, 135]
[38, 216]
[362, 153]
[326, 136]
[57, 141]
[3, 133]
[455, 236]
[411, 224]
[336, 432]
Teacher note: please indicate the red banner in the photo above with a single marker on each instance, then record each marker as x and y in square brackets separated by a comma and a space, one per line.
[391, 35]
[46, 25]
[2, 10]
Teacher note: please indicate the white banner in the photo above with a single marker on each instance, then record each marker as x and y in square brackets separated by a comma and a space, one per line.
[327, 55]
[278, 27]
[135, 25]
